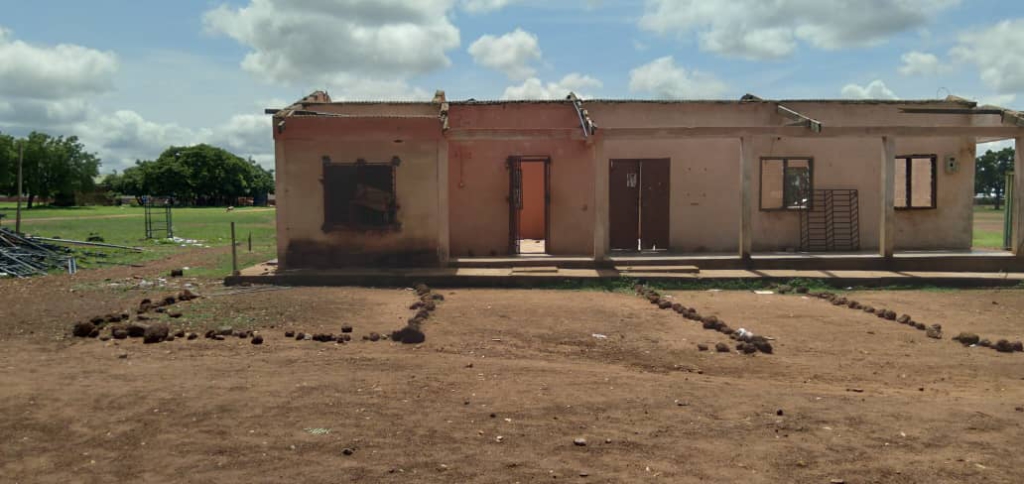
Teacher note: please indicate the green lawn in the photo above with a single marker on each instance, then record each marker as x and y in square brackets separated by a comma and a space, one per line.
[208, 227]
[988, 227]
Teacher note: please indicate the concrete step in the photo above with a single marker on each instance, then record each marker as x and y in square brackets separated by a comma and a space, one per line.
[665, 269]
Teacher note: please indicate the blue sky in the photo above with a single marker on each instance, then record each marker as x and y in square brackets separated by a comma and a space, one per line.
[132, 77]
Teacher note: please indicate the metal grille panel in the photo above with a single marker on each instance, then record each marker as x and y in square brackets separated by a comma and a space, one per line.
[832, 224]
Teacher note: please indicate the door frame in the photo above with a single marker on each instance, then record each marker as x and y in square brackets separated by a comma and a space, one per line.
[515, 199]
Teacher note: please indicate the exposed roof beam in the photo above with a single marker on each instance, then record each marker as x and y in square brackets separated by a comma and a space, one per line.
[587, 124]
[802, 120]
[961, 100]
[1013, 118]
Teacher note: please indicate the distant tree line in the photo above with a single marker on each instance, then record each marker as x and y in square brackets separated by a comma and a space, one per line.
[990, 174]
[194, 175]
[54, 168]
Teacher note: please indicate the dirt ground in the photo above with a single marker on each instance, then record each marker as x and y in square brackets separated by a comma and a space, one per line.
[505, 382]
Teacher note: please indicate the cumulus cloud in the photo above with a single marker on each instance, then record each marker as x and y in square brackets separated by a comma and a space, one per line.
[534, 88]
[756, 29]
[51, 89]
[332, 43]
[663, 79]
[53, 72]
[511, 53]
[874, 90]
[921, 64]
[124, 136]
[484, 6]
[997, 53]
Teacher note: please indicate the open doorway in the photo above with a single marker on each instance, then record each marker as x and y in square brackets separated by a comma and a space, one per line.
[993, 196]
[529, 194]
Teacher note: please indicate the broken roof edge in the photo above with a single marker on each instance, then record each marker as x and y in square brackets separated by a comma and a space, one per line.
[320, 98]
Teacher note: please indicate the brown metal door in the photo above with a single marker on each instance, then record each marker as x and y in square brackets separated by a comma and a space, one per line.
[624, 204]
[654, 204]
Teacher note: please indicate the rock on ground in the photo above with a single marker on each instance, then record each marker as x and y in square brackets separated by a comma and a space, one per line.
[156, 333]
[82, 329]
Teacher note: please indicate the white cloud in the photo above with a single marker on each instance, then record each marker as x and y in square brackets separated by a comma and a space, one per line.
[663, 79]
[758, 29]
[921, 64]
[874, 90]
[534, 88]
[998, 52]
[484, 6]
[53, 88]
[994, 146]
[511, 53]
[53, 72]
[125, 136]
[332, 43]
[1004, 100]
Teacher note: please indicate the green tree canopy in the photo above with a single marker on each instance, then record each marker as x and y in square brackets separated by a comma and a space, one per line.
[55, 167]
[200, 174]
[990, 174]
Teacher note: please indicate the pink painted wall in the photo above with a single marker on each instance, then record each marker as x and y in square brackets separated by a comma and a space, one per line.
[704, 212]
[478, 191]
[302, 242]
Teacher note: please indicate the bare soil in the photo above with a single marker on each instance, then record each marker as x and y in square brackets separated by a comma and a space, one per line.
[503, 385]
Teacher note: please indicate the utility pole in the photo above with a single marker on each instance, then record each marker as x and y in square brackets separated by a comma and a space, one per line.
[21, 156]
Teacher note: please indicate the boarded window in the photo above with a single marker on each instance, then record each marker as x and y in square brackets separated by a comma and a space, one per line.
[359, 195]
[915, 181]
[786, 183]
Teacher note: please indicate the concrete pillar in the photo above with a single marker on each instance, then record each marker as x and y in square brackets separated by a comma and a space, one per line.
[887, 220]
[600, 208]
[443, 211]
[281, 196]
[748, 167]
[1018, 198]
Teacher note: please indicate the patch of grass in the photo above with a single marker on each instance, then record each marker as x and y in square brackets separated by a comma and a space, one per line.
[988, 227]
[209, 227]
[984, 239]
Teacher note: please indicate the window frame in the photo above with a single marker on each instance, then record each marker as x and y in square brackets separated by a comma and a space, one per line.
[785, 166]
[394, 225]
[909, 180]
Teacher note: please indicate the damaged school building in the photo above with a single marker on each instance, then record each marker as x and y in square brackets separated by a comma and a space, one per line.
[751, 183]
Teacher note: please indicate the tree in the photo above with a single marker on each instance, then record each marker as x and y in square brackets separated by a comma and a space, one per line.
[53, 167]
[200, 175]
[8, 164]
[990, 174]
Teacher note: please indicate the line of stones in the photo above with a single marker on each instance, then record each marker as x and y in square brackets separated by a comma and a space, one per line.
[747, 341]
[412, 333]
[150, 333]
[933, 331]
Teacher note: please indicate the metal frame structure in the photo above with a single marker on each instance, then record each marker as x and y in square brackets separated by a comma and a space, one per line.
[160, 221]
[833, 222]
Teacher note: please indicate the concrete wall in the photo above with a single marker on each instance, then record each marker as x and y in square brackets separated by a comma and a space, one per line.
[478, 195]
[704, 212]
[704, 204]
[302, 240]
[705, 172]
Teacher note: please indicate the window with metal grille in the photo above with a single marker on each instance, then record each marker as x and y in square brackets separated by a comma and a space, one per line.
[915, 182]
[786, 183]
[359, 195]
